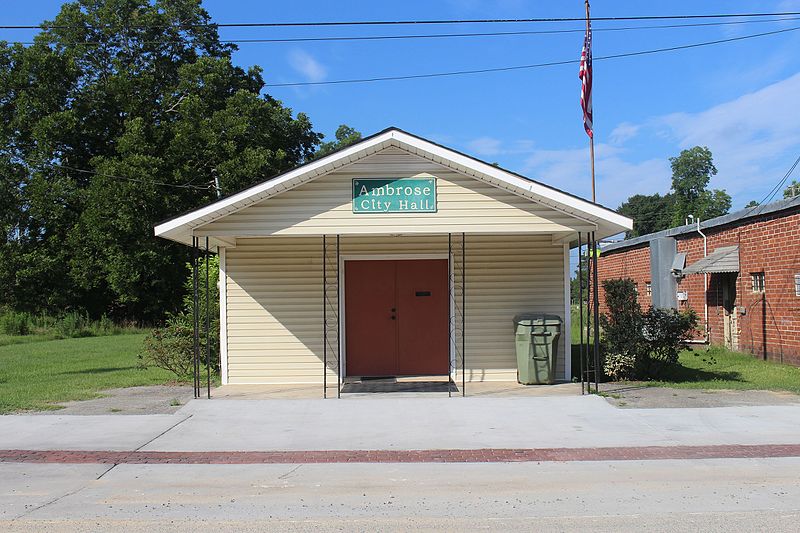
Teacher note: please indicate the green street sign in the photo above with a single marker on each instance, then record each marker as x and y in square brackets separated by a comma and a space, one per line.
[394, 195]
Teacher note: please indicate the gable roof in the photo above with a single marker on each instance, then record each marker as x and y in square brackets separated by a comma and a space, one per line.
[180, 228]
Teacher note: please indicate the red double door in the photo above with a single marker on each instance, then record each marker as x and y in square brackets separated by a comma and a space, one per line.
[396, 317]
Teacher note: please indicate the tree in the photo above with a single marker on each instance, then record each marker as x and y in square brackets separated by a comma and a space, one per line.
[345, 136]
[122, 113]
[792, 190]
[692, 170]
[751, 203]
[650, 213]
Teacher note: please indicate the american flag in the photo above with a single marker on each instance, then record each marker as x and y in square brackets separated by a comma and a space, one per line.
[585, 74]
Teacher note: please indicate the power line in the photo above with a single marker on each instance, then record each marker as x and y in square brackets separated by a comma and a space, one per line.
[425, 22]
[534, 65]
[459, 35]
[112, 176]
[772, 192]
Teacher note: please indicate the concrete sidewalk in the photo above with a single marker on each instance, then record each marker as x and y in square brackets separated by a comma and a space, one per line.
[403, 424]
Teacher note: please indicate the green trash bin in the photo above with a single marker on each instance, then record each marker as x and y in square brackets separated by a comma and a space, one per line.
[537, 337]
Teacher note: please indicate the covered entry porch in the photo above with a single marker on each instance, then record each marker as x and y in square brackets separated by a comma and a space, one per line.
[296, 308]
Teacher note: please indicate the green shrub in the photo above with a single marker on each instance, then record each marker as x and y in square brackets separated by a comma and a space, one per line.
[640, 345]
[74, 324]
[665, 330]
[172, 347]
[620, 366]
[16, 323]
[623, 343]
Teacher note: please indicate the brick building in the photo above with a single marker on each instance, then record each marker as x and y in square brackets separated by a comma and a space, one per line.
[749, 264]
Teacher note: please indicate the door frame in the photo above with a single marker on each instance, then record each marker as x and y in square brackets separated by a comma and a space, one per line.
[393, 257]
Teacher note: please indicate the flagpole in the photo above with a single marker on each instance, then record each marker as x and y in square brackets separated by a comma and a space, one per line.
[591, 137]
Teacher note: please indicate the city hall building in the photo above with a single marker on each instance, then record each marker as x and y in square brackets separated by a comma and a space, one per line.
[392, 257]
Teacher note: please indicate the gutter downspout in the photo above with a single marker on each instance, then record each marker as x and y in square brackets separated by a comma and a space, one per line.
[705, 284]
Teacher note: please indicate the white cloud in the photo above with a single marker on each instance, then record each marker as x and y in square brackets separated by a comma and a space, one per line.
[615, 177]
[749, 136]
[485, 146]
[623, 132]
[754, 138]
[307, 66]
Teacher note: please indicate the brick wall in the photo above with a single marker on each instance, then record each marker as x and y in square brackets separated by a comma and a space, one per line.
[633, 263]
[770, 326]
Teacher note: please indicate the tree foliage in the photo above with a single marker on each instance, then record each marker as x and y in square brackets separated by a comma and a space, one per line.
[692, 171]
[792, 190]
[122, 113]
[650, 213]
[345, 136]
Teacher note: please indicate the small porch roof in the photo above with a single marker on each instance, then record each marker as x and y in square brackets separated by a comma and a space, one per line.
[605, 221]
[721, 260]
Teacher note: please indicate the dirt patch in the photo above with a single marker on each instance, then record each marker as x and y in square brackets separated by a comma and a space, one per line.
[633, 396]
[149, 400]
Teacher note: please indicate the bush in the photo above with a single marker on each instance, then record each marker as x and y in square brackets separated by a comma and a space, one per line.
[172, 347]
[73, 324]
[620, 366]
[623, 343]
[665, 330]
[640, 345]
[16, 323]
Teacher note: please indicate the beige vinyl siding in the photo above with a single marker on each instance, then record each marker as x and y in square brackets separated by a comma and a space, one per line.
[325, 206]
[274, 300]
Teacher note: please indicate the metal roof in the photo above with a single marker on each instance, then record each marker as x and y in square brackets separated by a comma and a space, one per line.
[743, 214]
[725, 259]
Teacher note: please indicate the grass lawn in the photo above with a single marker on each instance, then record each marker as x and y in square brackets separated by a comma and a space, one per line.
[36, 372]
[718, 368]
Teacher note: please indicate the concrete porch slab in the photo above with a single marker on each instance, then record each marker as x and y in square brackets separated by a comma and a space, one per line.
[405, 387]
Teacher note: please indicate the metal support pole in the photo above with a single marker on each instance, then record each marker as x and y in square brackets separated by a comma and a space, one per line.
[324, 317]
[596, 295]
[195, 323]
[463, 315]
[338, 326]
[208, 329]
[580, 308]
[450, 319]
[589, 285]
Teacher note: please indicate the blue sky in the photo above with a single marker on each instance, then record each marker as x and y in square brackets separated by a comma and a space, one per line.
[740, 99]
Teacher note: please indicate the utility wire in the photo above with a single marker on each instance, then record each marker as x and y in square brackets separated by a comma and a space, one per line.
[534, 65]
[112, 176]
[459, 35]
[425, 22]
[772, 192]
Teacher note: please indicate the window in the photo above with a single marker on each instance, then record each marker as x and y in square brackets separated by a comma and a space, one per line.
[648, 288]
[758, 281]
[797, 284]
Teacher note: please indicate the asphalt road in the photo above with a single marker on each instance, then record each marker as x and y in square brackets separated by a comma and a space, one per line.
[687, 495]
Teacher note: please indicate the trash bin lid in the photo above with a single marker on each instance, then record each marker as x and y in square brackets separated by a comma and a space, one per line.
[537, 319]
